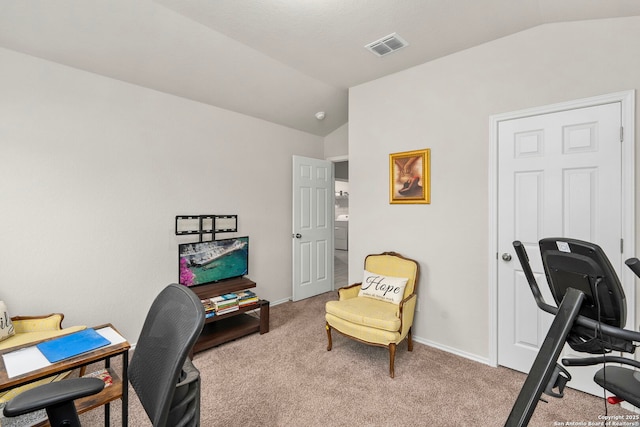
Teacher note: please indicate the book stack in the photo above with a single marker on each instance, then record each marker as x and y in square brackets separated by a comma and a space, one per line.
[225, 303]
[102, 374]
[209, 308]
[246, 298]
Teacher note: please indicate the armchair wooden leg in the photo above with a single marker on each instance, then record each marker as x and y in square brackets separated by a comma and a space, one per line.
[409, 341]
[330, 343]
[392, 359]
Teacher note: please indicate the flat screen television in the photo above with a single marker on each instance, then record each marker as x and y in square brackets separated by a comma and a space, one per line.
[209, 262]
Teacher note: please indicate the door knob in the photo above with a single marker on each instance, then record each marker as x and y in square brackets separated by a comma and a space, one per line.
[506, 257]
[297, 235]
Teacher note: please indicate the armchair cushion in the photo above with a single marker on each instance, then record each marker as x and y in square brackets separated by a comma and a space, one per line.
[367, 312]
[6, 326]
[383, 288]
[369, 335]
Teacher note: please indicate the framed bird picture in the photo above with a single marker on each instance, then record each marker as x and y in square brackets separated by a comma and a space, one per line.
[409, 177]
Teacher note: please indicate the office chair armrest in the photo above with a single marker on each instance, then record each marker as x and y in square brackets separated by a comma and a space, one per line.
[596, 360]
[52, 394]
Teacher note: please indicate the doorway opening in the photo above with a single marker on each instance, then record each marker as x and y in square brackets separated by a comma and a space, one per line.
[341, 224]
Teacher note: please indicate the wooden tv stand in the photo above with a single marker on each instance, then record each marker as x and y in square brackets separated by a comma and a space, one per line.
[228, 327]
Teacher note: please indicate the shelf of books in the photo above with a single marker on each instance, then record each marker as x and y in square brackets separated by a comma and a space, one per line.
[228, 303]
[231, 315]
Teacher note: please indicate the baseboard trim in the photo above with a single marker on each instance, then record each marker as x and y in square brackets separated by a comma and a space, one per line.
[280, 301]
[455, 351]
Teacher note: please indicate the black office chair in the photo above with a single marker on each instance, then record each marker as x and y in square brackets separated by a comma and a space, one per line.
[165, 380]
[589, 316]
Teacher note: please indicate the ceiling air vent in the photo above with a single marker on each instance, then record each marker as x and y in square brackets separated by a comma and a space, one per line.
[387, 44]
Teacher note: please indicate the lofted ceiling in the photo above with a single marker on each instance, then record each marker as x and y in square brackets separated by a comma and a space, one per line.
[278, 60]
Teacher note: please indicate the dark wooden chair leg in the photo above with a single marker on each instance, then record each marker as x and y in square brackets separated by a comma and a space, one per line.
[330, 343]
[410, 341]
[392, 359]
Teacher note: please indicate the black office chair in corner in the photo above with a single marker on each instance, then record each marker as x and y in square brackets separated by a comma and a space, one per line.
[162, 375]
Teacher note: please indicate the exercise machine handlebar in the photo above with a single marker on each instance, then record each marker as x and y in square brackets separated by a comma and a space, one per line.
[625, 334]
[634, 265]
[597, 360]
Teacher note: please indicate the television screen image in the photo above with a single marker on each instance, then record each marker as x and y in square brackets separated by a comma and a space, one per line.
[208, 262]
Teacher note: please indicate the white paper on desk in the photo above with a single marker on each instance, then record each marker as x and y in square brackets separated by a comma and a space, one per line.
[25, 360]
[30, 358]
[110, 334]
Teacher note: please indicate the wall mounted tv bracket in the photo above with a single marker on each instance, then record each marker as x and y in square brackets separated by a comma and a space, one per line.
[206, 225]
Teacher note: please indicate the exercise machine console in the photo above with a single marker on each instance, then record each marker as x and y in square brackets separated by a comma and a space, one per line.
[590, 314]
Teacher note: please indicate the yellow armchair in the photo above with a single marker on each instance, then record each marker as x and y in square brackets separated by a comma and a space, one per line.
[381, 312]
[35, 328]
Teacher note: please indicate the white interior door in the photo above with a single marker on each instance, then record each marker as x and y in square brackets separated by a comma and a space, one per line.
[558, 176]
[312, 234]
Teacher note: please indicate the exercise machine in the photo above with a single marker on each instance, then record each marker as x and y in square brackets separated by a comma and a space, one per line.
[589, 315]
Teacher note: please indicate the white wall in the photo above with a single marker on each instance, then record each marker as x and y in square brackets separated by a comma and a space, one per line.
[445, 105]
[93, 172]
[336, 144]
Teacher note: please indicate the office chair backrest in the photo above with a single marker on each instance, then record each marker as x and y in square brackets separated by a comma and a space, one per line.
[172, 326]
[570, 263]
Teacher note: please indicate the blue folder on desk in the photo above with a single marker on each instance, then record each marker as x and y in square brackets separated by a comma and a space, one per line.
[71, 345]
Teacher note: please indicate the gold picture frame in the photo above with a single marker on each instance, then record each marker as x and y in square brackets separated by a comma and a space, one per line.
[410, 177]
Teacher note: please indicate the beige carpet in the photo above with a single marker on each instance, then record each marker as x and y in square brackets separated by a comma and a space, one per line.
[288, 378]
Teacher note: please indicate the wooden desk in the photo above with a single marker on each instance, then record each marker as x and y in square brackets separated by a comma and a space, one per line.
[119, 388]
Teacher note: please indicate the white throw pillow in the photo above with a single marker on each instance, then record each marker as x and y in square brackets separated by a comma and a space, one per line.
[385, 288]
[6, 327]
